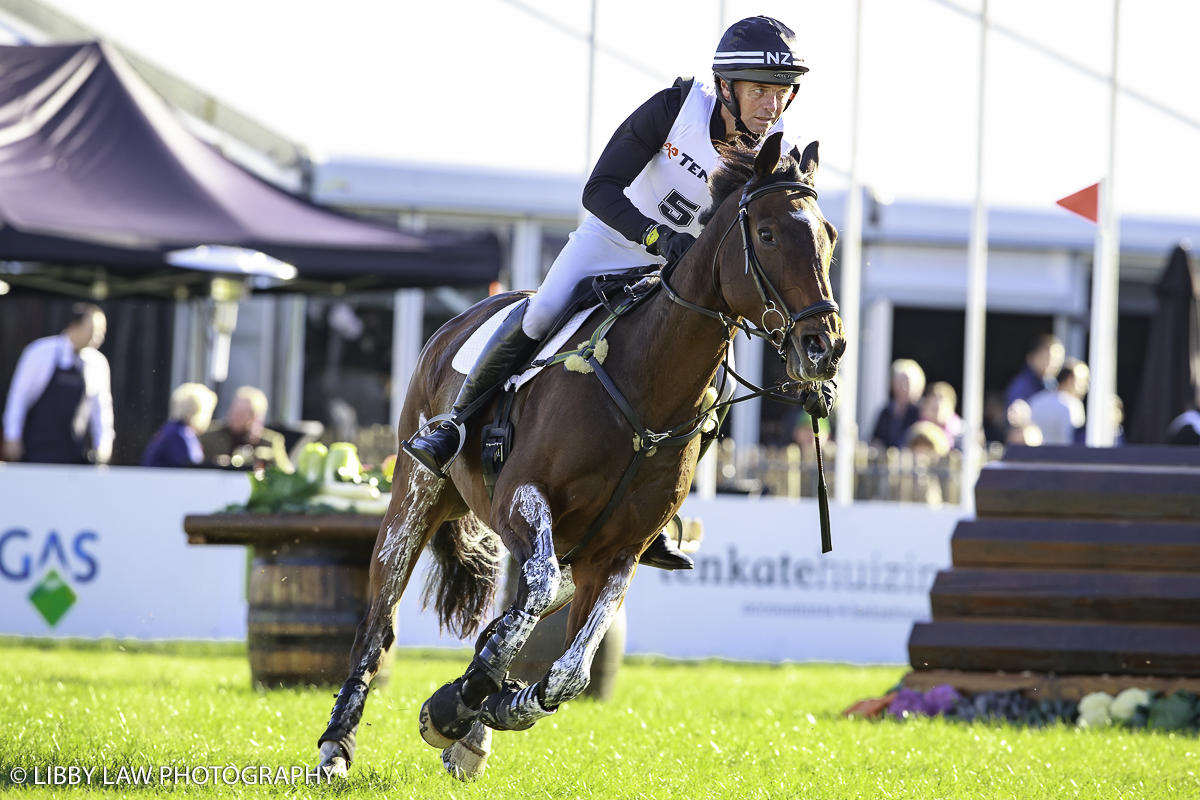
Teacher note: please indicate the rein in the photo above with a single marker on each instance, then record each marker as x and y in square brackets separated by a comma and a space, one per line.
[646, 443]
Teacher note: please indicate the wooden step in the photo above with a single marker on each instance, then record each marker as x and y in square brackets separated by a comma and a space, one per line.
[1060, 647]
[1067, 594]
[1161, 546]
[1083, 491]
[1161, 455]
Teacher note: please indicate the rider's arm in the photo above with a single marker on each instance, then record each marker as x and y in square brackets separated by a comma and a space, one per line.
[625, 156]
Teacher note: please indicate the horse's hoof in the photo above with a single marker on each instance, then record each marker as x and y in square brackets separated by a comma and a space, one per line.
[332, 762]
[430, 734]
[444, 718]
[466, 759]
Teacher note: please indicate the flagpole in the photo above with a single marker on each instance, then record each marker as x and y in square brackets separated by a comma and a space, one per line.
[849, 292]
[976, 305]
[1105, 282]
[591, 92]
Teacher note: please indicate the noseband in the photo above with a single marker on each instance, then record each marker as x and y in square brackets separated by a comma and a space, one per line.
[777, 319]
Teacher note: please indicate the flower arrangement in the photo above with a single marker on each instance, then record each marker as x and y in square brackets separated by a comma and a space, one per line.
[1132, 708]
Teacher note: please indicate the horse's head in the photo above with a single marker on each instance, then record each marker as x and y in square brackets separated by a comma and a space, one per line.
[775, 272]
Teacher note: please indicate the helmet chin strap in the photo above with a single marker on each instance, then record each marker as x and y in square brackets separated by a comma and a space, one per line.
[731, 102]
[735, 110]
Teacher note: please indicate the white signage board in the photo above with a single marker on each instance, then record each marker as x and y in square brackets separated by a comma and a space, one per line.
[92, 552]
[763, 591]
[101, 552]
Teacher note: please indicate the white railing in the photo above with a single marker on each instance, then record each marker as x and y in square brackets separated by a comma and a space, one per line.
[889, 474]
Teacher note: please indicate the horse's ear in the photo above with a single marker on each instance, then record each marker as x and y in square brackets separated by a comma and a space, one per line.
[807, 160]
[768, 156]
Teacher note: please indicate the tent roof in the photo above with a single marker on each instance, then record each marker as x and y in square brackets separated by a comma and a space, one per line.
[95, 169]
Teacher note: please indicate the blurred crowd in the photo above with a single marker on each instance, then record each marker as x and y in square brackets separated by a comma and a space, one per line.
[1043, 404]
[60, 411]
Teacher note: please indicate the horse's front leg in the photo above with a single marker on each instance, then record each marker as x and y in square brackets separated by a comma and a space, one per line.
[598, 596]
[411, 520]
[450, 713]
[466, 759]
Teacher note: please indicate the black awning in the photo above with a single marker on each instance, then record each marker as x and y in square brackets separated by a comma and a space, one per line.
[96, 170]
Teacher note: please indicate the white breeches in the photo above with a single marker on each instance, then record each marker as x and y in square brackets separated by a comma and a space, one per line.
[590, 251]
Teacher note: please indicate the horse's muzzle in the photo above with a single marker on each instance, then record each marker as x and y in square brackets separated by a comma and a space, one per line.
[814, 355]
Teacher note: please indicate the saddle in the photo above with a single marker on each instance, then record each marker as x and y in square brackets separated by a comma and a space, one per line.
[619, 293]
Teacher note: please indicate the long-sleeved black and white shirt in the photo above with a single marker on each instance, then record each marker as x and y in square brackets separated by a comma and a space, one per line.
[655, 168]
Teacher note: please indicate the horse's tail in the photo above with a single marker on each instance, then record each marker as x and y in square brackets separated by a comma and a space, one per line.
[461, 584]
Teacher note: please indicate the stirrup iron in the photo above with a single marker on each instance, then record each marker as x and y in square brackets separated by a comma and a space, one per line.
[429, 426]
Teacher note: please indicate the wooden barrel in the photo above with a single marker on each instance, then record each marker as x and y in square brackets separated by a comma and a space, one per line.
[305, 604]
[549, 640]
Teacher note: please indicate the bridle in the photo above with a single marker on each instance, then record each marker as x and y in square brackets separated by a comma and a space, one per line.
[773, 306]
[777, 320]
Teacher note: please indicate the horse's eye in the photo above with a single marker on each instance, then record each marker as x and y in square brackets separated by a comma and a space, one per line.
[766, 235]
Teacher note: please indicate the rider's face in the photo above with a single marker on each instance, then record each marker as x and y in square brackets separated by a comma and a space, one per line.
[761, 104]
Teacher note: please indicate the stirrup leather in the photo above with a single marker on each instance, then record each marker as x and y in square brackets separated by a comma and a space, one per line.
[429, 426]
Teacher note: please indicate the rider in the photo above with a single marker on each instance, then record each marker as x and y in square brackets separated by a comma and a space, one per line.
[644, 197]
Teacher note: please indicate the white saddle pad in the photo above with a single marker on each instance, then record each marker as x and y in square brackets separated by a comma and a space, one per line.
[469, 353]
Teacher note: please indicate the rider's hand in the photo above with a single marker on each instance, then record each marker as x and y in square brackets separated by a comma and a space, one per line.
[660, 240]
[12, 450]
[820, 399]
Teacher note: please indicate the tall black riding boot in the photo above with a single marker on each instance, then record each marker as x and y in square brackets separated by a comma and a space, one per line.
[663, 554]
[508, 349]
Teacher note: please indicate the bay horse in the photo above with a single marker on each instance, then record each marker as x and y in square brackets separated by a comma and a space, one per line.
[572, 447]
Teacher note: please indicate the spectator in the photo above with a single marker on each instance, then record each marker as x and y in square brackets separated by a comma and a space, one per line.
[1060, 412]
[802, 432]
[928, 438]
[1042, 362]
[1021, 429]
[1118, 421]
[908, 384]
[243, 442]
[929, 444]
[995, 420]
[938, 407]
[177, 442]
[1185, 429]
[61, 392]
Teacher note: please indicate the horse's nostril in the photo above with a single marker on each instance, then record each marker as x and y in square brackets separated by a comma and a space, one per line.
[814, 345]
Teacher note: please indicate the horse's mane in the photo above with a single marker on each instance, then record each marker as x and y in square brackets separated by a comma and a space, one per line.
[736, 169]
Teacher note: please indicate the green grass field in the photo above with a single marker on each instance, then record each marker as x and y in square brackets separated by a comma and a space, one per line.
[674, 730]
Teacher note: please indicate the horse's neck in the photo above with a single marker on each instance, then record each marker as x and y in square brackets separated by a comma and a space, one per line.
[676, 351]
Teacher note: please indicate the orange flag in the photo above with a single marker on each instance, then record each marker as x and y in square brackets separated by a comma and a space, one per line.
[1085, 203]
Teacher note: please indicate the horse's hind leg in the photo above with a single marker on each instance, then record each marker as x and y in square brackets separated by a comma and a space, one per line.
[411, 520]
[450, 713]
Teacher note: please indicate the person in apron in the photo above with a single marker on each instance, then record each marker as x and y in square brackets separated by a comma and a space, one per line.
[51, 434]
[59, 408]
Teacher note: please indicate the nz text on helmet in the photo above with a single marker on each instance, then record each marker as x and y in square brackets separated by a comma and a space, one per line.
[758, 49]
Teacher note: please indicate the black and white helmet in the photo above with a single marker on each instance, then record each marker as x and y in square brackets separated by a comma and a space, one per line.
[759, 49]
